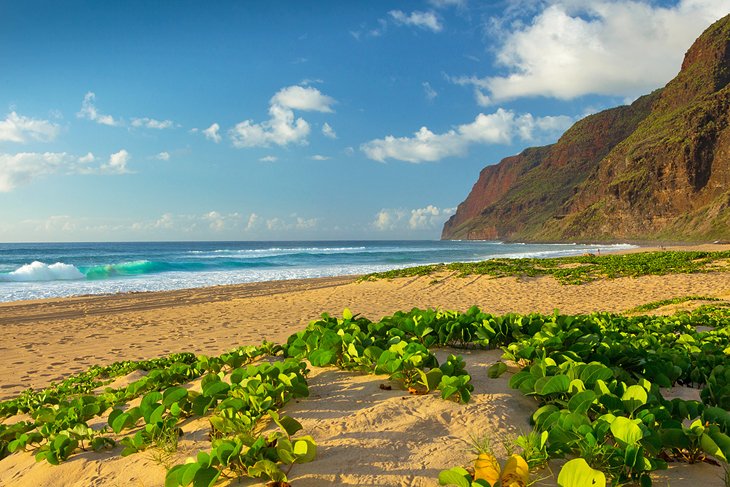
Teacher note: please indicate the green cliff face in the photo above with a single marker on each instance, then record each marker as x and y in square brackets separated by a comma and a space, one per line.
[658, 169]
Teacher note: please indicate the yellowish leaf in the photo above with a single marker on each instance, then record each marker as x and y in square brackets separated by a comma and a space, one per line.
[486, 467]
[516, 473]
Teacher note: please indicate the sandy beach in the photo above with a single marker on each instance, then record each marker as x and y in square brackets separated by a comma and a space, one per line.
[366, 435]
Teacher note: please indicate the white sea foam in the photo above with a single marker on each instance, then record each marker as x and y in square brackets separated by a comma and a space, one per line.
[39, 271]
[27, 282]
[15, 291]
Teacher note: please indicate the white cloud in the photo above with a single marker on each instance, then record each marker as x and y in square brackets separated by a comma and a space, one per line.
[294, 222]
[199, 224]
[165, 221]
[305, 223]
[619, 48]
[211, 133]
[163, 156]
[375, 32]
[89, 112]
[87, 159]
[482, 99]
[22, 168]
[388, 219]
[497, 128]
[151, 123]
[269, 159]
[17, 128]
[428, 218]
[429, 91]
[319, 157]
[252, 221]
[422, 20]
[282, 128]
[305, 98]
[219, 222]
[117, 163]
[328, 131]
[275, 224]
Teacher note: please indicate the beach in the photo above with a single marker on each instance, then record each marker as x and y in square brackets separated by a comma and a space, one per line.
[366, 435]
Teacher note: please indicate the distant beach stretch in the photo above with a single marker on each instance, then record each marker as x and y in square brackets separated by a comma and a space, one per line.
[349, 415]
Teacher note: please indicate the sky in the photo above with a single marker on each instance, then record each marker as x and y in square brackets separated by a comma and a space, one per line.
[291, 120]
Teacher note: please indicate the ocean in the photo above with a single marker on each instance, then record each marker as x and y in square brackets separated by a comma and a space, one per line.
[45, 270]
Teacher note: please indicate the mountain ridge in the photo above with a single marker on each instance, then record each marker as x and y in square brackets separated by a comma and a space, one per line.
[658, 169]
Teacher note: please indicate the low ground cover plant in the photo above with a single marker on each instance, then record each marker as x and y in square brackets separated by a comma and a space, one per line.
[577, 269]
[596, 380]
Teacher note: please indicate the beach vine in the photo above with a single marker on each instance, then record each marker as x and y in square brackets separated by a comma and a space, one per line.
[595, 378]
[576, 269]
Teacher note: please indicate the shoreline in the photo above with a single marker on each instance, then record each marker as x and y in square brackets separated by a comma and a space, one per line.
[49, 339]
[278, 286]
[86, 304]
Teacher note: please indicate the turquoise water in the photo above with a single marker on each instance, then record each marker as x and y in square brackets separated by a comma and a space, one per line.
[33, 271]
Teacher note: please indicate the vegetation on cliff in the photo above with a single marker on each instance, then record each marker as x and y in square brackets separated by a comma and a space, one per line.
[658, 169]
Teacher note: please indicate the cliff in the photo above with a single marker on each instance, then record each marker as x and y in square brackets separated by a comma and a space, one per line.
[658, 169]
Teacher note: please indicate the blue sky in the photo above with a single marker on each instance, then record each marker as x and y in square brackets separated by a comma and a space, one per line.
[193, 120]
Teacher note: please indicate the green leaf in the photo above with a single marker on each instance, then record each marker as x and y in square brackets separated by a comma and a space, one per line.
[149, 400]
[592, 373]
[552, 385]
[722, 440]
[581, 402]
[347, 314]
[577, 473]
[175, 474]
[710, 447]
[189, 473]
[173, 394]
[217, 388]
[286, 423]
[322, 357]
[120, 421]
[433, 378]
[634, 397]
[455, 476]
[156, 415]
[112, 417]
[496, 370]
[626, 431]
[267, 469]
[305, 449]
[205, 477]
[674, 438]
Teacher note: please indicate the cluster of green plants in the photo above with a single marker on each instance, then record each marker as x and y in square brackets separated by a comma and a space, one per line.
[398, 346]
[596, 380]
[678, 300]
[85, 382]
[574, 270]
[238, 398]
